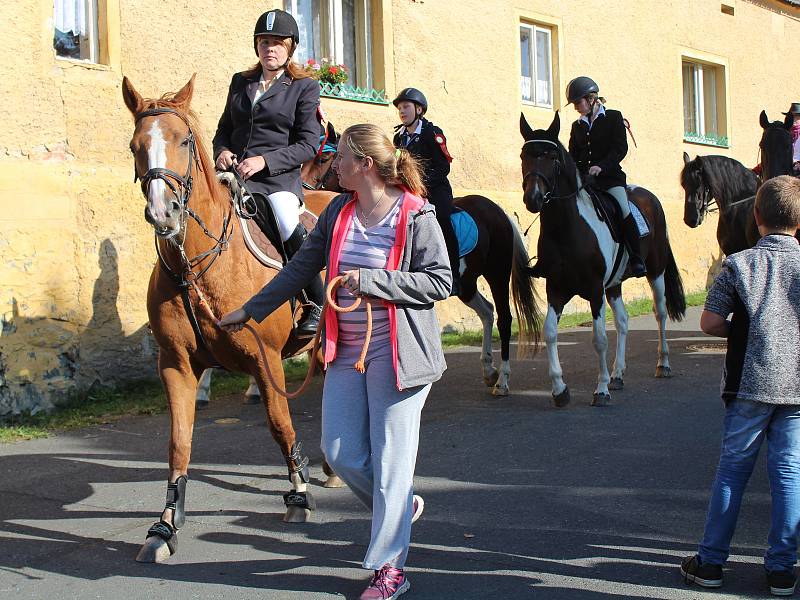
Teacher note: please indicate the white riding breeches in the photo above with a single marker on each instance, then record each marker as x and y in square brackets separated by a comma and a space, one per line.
[286, 207]
[621, 196]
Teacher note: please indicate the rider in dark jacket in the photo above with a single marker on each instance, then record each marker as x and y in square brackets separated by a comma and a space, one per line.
[598, 143]
[268, 129]
[427, 142]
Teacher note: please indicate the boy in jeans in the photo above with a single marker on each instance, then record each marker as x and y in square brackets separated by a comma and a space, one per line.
[760, 387]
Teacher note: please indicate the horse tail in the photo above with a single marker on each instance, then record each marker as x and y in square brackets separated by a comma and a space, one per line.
[673, 288]
[524, 298]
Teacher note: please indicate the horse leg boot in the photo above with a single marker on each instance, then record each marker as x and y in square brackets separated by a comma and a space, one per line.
[631, 233]
[162, 537]
[314, 292]
[299, 502]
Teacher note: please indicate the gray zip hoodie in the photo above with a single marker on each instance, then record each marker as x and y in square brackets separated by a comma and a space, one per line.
[422, 278]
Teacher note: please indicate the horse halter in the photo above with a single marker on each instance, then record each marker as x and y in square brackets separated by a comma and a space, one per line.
[550, 194]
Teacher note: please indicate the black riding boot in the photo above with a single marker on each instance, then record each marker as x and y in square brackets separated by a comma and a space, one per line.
[631, 232]
[314, 291]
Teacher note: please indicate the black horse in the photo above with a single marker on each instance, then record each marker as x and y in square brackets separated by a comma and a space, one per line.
[776, 147]
[729, 184]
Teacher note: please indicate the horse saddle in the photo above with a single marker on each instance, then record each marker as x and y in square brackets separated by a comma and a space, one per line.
[608, 211]
[466, 231]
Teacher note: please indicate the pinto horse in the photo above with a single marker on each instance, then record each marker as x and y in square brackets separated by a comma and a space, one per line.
[729, 184]
[203, 270]
[585, 260]
[775, 147]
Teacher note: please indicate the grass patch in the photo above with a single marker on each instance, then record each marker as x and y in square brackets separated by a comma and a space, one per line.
[107, 405]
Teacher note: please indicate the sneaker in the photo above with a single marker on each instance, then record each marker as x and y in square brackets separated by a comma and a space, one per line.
[781, 583]
[705, 575]
[387, 583]
[419, 506]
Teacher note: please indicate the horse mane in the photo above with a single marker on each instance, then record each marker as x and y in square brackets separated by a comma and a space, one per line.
[218, 193]
[727, 178]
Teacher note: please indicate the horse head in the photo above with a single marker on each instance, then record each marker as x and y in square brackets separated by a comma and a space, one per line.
[317, 173]
[165, 153]
[548, 172]
[776, 147]
[697, 191]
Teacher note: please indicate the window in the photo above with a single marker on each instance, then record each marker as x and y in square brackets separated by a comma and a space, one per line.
[342, 32]
[76, 30]
[536, 77]
[704, 115]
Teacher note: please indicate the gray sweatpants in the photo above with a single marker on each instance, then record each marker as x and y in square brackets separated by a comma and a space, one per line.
[370, 433]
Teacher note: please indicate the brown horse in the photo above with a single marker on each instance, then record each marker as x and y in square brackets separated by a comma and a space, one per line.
[584, 260]
[201, 258]
[775, 147]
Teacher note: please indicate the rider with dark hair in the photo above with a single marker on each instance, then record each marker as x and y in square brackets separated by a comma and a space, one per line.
[268, 129]
[426, 142]
[598, 144]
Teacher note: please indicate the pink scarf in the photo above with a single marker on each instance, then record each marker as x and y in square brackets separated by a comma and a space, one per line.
[795, 131]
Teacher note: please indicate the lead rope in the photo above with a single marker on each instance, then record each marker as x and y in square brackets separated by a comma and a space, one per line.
[333, 285]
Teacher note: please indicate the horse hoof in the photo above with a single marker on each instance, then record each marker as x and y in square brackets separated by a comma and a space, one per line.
[297, 514]
[252, 399]
[562, 399]
[201, 404]
[491, 379]
[601, 399]
[616, 383]
[333, 481]
[154, 550]
[663, 372]
[500, 390]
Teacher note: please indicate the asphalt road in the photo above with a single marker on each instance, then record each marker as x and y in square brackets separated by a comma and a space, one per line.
[522, 500]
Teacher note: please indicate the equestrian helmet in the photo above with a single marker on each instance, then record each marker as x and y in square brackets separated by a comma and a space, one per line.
[278, 23]
[412, 95]
[580, 87]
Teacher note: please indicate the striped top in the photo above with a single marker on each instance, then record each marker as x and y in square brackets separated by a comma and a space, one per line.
[366, 248]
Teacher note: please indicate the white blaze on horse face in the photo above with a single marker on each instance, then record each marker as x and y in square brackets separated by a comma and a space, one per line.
[157, 158]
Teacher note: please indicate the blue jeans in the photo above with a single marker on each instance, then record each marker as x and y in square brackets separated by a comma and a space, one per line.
[746, 425]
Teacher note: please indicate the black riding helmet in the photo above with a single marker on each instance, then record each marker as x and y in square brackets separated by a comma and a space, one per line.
[278, 23]
[412, 95]
[580, 87]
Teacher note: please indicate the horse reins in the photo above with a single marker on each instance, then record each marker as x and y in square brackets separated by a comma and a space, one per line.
[333, 285]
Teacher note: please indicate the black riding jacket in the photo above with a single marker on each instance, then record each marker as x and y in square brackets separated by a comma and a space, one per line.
[434, 162]
[604, 145]
[282, 127]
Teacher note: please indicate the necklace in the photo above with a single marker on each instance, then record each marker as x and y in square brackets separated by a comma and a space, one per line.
[365, 217]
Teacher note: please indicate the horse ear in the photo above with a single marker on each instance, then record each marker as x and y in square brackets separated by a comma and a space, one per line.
[555, 126]
[524, 128]
[184, 96]
[133, 100]
[686, 158]
[331, 133]
[762, 118]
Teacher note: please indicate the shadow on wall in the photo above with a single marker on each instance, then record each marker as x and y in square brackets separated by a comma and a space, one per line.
[44, 361]
[715, 267]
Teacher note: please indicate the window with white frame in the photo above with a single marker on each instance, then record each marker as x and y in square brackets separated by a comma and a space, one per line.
[339, 31]
[536, 76]
[704, 112]
[75, 33]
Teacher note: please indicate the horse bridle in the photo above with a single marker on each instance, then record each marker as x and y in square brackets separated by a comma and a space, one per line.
[181, 187]
[550, 194]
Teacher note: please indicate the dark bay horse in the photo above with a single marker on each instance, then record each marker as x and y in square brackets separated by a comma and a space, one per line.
[732, 186]
[775, 147]
[586, 261]
[202, 258]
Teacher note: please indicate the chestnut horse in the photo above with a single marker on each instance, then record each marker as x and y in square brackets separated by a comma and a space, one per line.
[203, 267]
[584, 260]
[729, 184]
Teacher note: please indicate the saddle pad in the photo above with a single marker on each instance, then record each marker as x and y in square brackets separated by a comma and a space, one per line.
[260, 246]
[466, 231]
[641, 222]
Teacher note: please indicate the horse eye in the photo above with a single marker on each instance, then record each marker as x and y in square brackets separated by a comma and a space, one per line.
[185, 142]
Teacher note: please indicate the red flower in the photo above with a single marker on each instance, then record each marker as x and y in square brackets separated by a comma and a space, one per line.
[310, 61]
[334, 70]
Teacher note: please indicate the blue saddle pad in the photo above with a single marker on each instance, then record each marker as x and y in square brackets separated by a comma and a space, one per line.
[466, 231]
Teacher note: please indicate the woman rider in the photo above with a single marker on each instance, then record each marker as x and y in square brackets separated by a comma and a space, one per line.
[598, 144]
[268, 129]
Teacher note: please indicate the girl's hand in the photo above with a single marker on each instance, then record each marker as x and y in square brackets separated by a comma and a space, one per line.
[594, 170]
[250, 166]
[234, 321]
[350, 282]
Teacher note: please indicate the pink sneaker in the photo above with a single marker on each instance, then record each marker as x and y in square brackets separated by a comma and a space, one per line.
[387, 584]
[419, 506]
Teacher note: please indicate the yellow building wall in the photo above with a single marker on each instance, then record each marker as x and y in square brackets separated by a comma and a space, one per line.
[77, 253]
